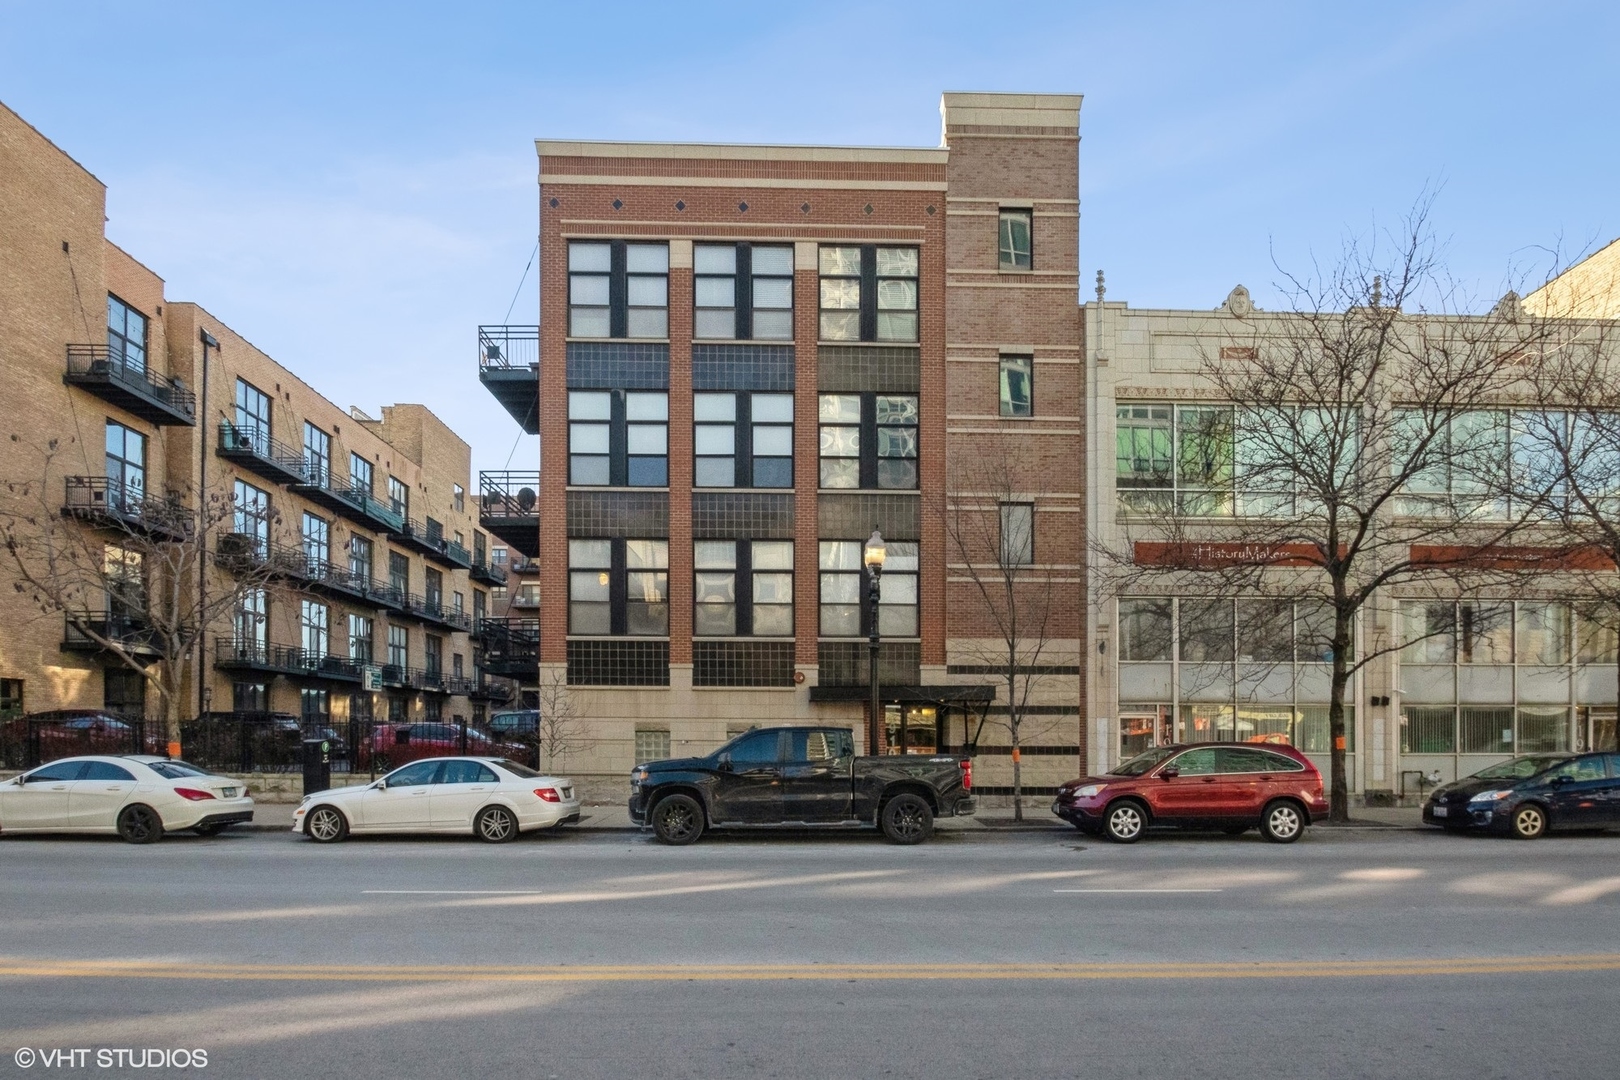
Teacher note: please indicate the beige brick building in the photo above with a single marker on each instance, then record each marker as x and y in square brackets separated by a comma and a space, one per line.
[360, 534]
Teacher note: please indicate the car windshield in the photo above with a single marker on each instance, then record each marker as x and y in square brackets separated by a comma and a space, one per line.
[175, 770]
[1141, 763]
[1518, 768]
[522, 772]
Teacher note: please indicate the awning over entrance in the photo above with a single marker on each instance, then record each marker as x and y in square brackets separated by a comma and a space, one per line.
[968, 696]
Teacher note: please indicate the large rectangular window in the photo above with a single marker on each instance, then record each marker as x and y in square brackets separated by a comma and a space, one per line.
[844, 610]
[399, 646]
[868, 293]
[743, 291]
[1017, 385]
[399, 572]
[126, 335]
[361, 553]
[743, 440]
[433, 587]
[1015, 250]
[618, 438]
[618, 289]
[360, 638]
[1017, 534]
[317, 538]
[399, 496]
[618, 587]
[250, 621]
[743, 588]
[869, 441]
[360, 473]
[253, 415]
[126, 467]
[313, 623]
[317, 455]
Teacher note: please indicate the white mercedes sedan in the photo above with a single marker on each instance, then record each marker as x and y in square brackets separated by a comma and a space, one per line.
[491, 798]
[137, 796]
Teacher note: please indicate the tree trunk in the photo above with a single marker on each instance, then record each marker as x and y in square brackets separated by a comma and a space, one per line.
[1339, 787]
[1014, 722]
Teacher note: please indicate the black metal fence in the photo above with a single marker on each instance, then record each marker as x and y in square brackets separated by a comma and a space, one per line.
[268, 742]
[29, 741]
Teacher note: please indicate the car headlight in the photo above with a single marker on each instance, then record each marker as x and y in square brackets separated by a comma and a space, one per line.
[1490, 796]
[1088, 791]
[638, 774]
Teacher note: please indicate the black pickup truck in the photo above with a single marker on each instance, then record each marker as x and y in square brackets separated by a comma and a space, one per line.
[799, 776]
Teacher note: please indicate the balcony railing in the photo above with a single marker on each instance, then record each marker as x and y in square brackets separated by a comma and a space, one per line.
[430, 541]
[511, 647]
[239, 654]
[124, 506]
[509, 507]
[522, 567]
[253, 448]
[134, 634]
[239, 552]
[115, 377]
[348, 497]
[488, 573]
[509, 367]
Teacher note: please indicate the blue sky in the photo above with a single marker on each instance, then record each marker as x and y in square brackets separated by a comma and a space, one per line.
[351, 186]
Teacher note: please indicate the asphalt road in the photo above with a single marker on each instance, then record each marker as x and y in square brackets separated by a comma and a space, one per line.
[1356, 953]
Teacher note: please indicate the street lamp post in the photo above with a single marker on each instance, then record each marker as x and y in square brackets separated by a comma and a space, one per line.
[875, 553]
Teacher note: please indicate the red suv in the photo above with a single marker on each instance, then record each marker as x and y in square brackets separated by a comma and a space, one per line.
[1204, 785]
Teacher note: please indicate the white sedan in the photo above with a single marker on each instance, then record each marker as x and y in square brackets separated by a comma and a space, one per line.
[492, 798]
[137, 796]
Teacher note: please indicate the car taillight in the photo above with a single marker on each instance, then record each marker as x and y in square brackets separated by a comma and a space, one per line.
[548, 794]
[967, 773]
[193, 794]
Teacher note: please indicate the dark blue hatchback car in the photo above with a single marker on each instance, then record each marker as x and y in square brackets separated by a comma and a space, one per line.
[1529, 795]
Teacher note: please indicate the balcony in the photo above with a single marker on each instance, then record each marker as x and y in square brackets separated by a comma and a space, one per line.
[429, 540]
[525, 598]
[231, 654]
[524, 567]
[346, 497]
[509, 507]
[429, 610]
[136, 636]
[255, 450]
[481, 688]
[511, 648]
[509, 368]
[135, 387]
[110, 504]
[487, 573]
[240, 552]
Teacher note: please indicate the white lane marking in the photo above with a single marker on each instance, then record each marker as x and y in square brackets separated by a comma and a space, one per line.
[1135, 890]
[450, 892]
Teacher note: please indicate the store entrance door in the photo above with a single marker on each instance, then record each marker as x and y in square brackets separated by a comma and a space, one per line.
[911, 729]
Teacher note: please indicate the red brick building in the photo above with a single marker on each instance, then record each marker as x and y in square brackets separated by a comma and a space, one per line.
[749, 358]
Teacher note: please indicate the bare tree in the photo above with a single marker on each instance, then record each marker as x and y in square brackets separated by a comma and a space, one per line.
[989, 529]
[121, 566]
[1350, 446]
[560, 729]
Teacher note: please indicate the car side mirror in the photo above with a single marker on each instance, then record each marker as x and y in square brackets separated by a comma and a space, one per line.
[381, 784]
[1559, 781]
[21, 780]
[725, 762]
[1169, 772]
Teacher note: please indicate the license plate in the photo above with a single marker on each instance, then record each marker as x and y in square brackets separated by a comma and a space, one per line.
[568, 793]
[1439, 811]
[229, 792]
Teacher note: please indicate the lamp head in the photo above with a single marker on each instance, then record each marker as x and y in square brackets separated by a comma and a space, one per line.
[875, 550]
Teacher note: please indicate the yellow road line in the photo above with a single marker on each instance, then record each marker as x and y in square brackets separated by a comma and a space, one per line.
[16, 968]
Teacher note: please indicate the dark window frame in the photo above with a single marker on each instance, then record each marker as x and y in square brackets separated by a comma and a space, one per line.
[619, 572]
[124, 348]
[619, 278]
[1007, 370]
[623, 466]
[743, 279]
[871, 431]
[745, 472]
[743, 572]
[871, 284]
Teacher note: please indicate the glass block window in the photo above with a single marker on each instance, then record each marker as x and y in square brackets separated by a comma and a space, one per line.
[651, 745]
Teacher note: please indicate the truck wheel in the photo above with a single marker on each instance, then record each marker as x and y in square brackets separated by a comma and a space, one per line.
[907, 819]
[140, 825]
[1124, 822]
[677, 820]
